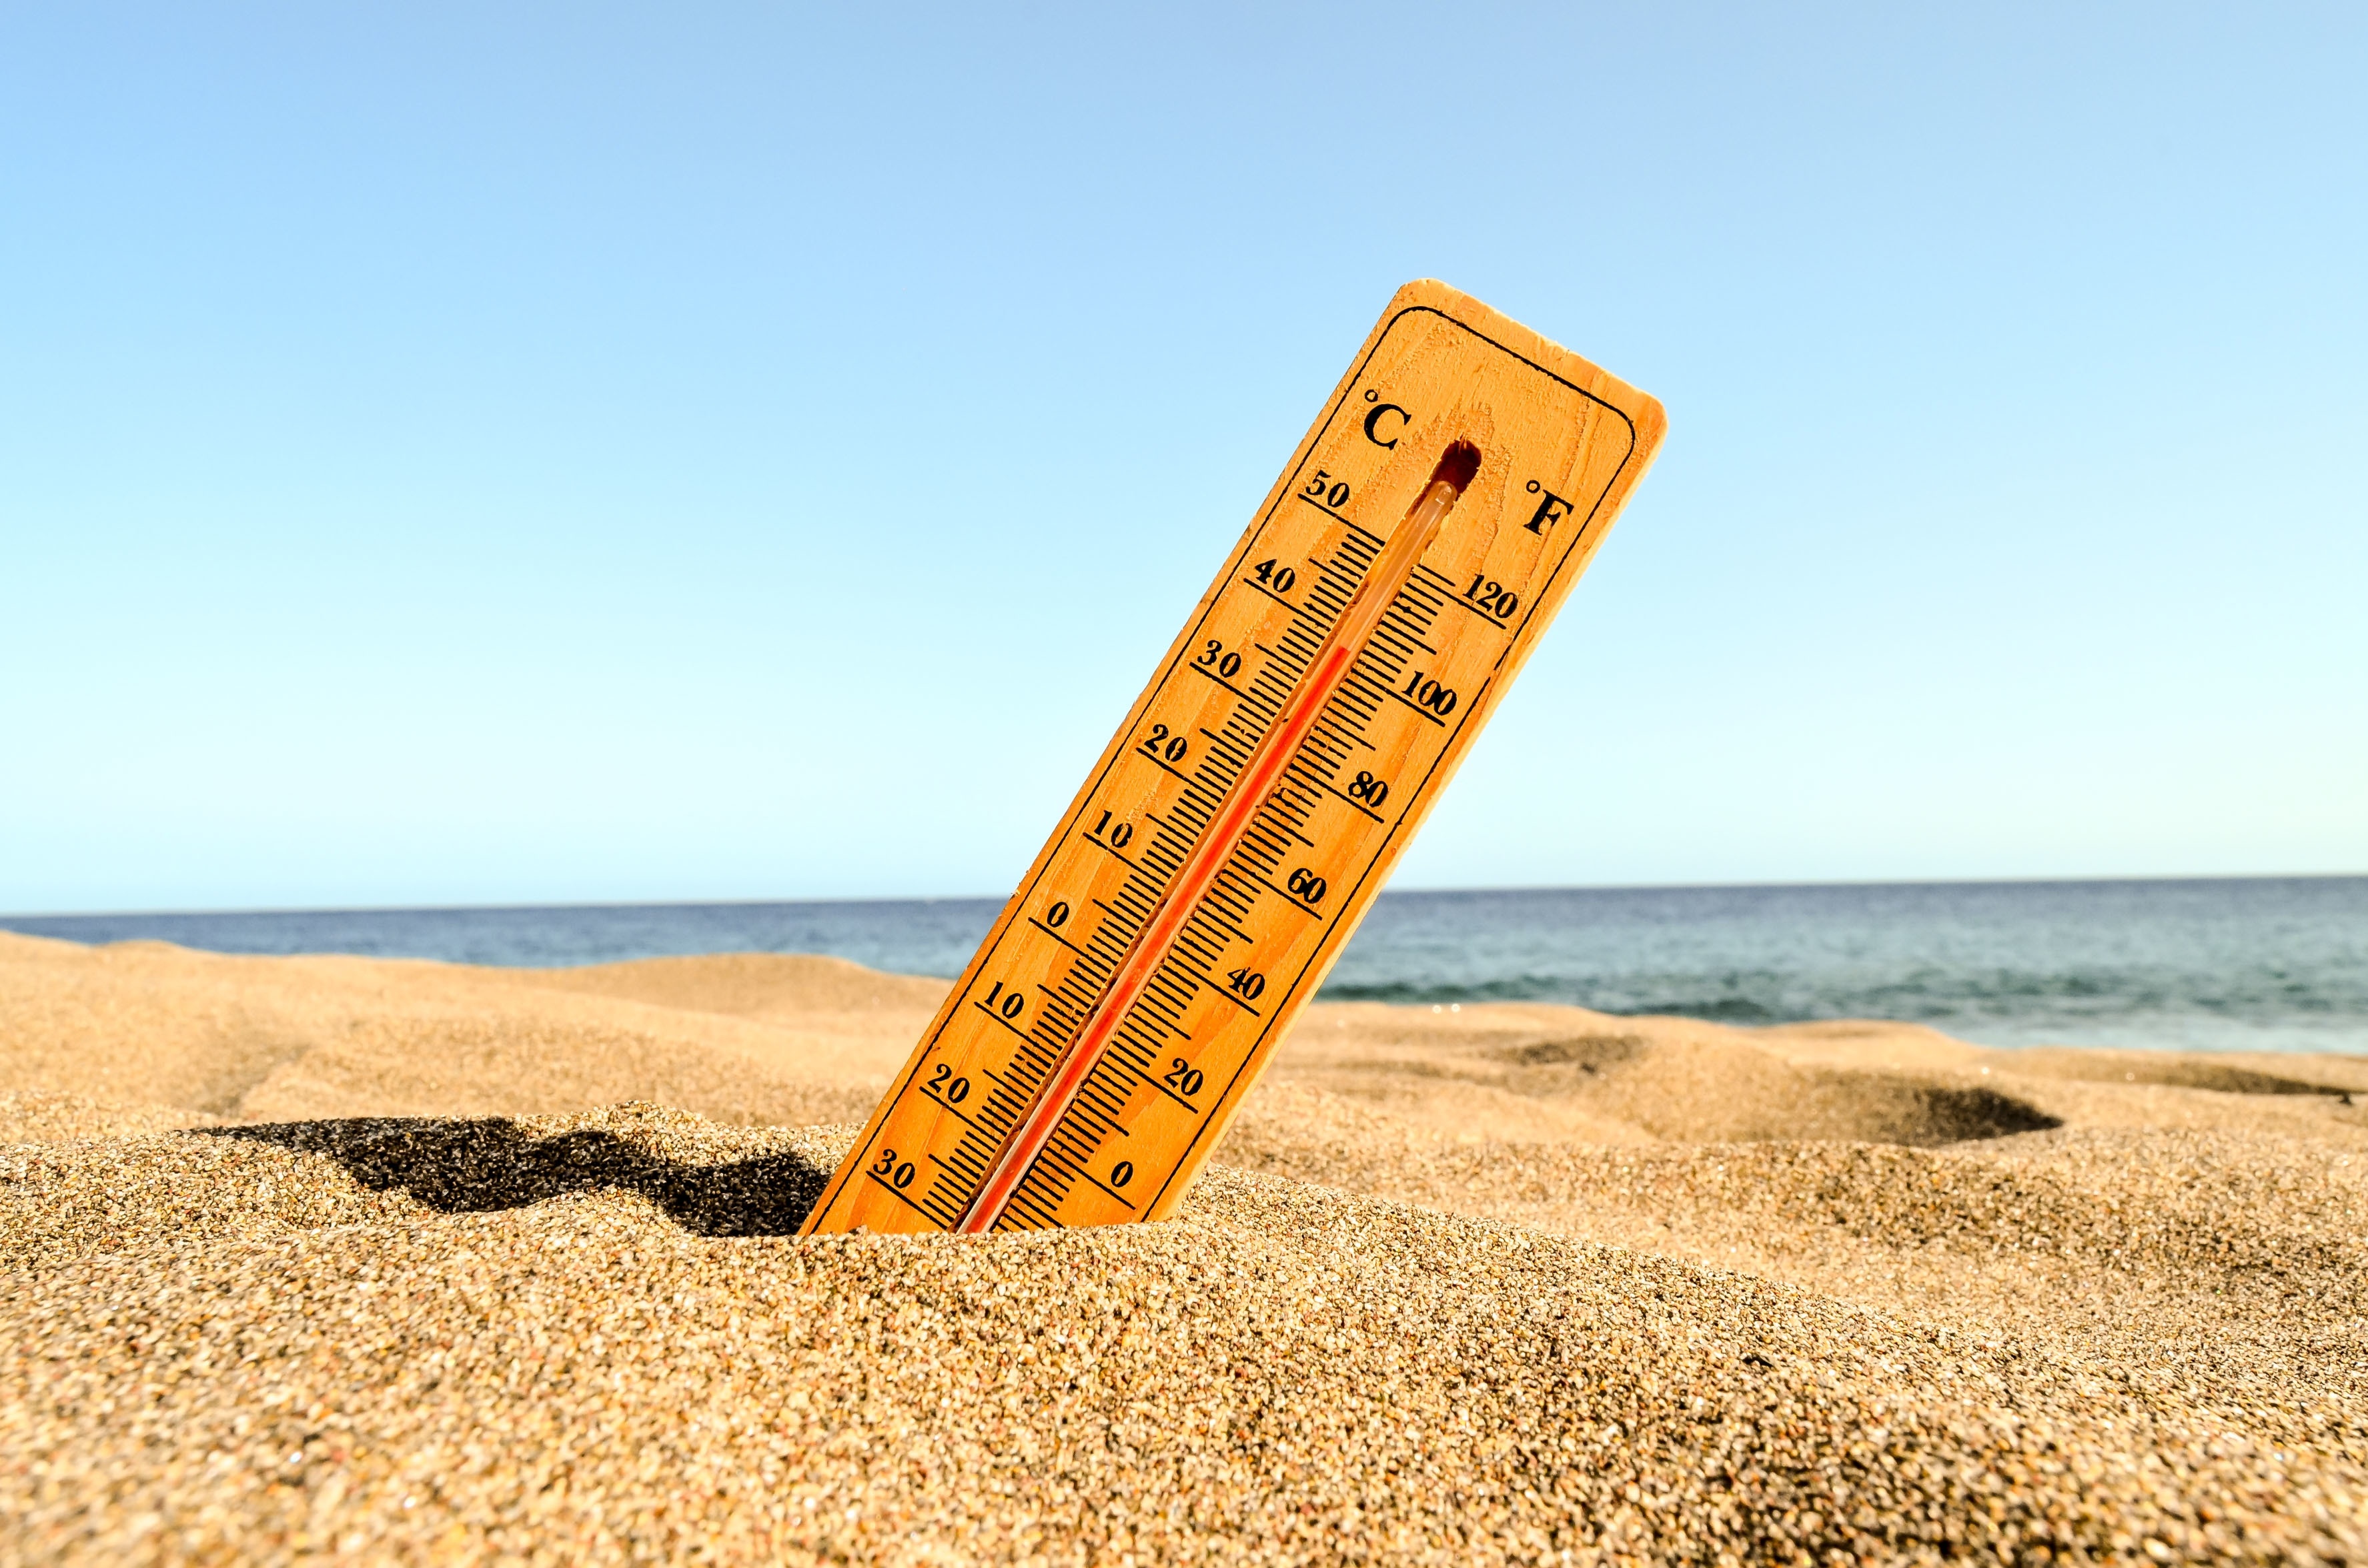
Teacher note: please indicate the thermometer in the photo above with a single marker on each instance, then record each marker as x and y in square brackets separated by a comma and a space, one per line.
[1240, 823]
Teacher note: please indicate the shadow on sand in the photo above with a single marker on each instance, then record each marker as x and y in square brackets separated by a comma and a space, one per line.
[479, 1165]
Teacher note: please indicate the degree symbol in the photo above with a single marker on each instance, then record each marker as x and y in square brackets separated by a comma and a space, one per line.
[1533, 487]
[1372, 396]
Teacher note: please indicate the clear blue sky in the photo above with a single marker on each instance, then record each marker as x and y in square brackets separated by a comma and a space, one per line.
[462, 454]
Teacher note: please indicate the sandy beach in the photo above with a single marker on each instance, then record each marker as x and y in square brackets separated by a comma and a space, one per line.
[404, 1261]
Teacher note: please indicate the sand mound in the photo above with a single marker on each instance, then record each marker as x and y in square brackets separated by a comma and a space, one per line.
[2230, 1075]
[39, 1118]
[782, 987]
[284, 1038]
[89, 1197]
[1561, 1073]
[322, 1255]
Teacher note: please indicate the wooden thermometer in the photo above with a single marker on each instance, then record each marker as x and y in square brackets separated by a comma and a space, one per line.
[1243, 818]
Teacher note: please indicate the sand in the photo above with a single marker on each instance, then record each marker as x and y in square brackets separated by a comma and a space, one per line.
[395, 1261]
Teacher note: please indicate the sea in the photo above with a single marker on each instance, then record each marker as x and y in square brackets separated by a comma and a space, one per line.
[2219, 964]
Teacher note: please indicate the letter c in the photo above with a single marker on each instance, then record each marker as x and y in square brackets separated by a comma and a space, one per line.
[1374, 418]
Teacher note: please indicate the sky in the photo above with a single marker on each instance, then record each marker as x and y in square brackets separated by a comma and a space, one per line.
[503, 454]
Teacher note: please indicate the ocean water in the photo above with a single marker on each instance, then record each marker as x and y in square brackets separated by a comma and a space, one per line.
[2236, 964]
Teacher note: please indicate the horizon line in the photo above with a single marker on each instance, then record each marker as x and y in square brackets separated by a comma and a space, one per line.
[988, 898]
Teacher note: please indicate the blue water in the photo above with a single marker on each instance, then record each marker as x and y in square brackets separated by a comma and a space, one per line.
[2256, 965]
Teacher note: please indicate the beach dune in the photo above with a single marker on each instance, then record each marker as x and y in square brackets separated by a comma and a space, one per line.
[404, 1261]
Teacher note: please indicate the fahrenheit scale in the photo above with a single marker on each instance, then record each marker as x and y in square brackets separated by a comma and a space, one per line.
[1243, 818]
